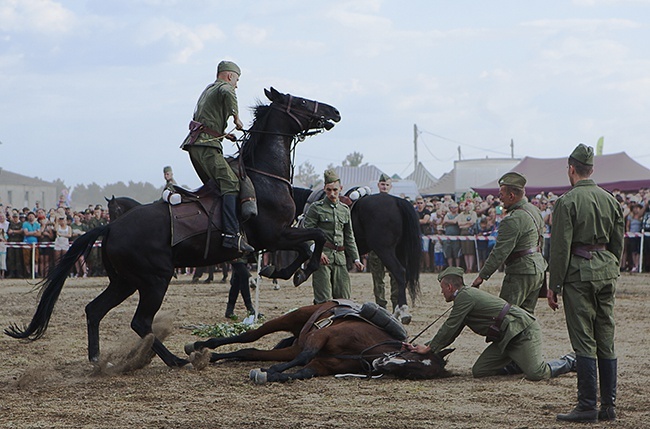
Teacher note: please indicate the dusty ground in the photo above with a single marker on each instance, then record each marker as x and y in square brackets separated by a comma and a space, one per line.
[50, 384]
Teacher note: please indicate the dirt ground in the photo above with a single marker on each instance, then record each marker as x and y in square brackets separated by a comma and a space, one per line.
[50, 384]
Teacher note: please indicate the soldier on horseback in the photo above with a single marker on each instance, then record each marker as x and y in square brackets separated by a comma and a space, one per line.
[216, 104]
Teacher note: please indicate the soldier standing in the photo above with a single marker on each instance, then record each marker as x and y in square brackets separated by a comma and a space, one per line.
[518, 246]
[586, 248]
[331, 216]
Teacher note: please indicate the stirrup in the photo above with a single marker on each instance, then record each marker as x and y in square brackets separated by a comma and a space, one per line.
[237, 242]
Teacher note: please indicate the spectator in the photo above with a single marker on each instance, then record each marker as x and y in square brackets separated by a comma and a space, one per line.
[451, 248]
[467, 224]
[63, 234]
[634, 224]
[425, 229]
[31, 232]
[46, 252]
[78, 229]
[15, 266]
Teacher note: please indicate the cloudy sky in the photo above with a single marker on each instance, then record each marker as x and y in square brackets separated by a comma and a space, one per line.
[102, 90]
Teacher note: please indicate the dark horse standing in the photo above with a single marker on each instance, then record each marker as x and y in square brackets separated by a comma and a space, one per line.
[137, 251]
[390, 227]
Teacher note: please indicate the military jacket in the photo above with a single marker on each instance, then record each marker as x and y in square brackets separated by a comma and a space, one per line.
[335, 221]
[216, 104]
[477, 309]
[585, 215]
[521, 229]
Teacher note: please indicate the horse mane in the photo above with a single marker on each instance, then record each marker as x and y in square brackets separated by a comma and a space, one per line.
[260, 119]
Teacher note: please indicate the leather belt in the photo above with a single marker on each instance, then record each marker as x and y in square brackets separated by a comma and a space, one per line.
[519, 253]
[334, 247]
[494, 331]
[196, 128]
[585, 250]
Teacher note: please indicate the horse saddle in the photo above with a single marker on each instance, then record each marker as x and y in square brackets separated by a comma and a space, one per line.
[199, 210]
[368, 312]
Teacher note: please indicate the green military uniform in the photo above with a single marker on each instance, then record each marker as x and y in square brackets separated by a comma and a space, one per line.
[518, 247]
[332, 281]
[216, 104]
[521, 336]
[378, 271]
[169, 183]
[586, 248]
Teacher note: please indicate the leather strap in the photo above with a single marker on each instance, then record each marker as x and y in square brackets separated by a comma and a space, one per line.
[520, 253]
[585, 250]
[502, 315]
[333, 247]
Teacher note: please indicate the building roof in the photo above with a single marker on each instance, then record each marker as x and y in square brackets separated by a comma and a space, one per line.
[422, 177]
[365, 175]
[15, 179]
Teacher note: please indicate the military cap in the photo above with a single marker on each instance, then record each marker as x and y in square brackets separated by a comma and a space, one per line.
[384, 177]
[451, 271]
[167, 169]
[583, 154]
[228, 66]
[514, 179]
[330, 176]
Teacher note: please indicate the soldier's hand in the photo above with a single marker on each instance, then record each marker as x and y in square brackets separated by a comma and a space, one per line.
[551, 297]
[231, 137]
[477, 282]
[238, 124]
[359, 266]
[324, 260]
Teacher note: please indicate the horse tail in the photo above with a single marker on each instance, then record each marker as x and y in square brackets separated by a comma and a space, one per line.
[52, 285]
[409, 247]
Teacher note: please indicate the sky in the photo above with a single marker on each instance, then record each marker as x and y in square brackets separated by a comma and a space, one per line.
[103, 91]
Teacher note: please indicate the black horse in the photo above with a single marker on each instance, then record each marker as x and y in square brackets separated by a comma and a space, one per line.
[137, 251]
[390, 227]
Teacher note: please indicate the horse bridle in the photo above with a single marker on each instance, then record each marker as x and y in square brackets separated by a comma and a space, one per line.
[297, 114]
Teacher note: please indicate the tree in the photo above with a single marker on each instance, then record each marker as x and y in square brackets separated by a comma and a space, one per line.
[307, 176]
[353, 160]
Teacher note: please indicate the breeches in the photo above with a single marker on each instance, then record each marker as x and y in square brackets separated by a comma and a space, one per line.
[524, 349]
[522, 290]
[331, 282]
[589, 311]
[378, 271]
[210, 164]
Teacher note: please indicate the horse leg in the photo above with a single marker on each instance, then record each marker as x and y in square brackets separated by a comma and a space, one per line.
[304, 253]
[111, 297]
[282, 355]
[290, 322]
[151, 298]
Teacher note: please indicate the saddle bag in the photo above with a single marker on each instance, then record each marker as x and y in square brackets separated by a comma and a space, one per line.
[381, 318]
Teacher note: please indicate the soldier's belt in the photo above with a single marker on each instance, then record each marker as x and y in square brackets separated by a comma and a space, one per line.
[585, 250]
[196, 128]
[494, 330]
[334, 247]
[520, 253]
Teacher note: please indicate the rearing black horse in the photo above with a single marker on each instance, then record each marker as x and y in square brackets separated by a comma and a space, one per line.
[137, 251]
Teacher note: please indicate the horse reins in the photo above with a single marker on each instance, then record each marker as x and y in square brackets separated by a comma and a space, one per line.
[430, 325]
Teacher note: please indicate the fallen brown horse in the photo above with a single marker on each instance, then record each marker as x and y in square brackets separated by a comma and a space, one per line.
[336, 337]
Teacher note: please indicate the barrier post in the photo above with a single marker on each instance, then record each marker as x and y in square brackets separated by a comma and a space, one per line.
[258, 282]
[33, 261]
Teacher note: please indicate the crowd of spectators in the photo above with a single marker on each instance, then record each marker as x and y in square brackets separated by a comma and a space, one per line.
[457, 233]
[33, 239]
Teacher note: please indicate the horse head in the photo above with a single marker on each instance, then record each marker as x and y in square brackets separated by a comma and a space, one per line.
[309, 114]
[413, 366]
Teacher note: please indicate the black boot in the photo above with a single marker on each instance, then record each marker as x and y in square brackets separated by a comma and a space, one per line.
[585, 411]
[607, 374]
[230, 311]
[232, 238]
[566, 363]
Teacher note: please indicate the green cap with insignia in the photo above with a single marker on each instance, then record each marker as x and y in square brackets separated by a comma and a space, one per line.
[583, 154]
[451, 271]
[330, 176]
[228, 66]
[514, 179]
[167, 169]
[384, 177]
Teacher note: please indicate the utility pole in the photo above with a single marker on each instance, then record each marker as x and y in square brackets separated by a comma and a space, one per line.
[512, 148]
[415, 146]
[459, 153]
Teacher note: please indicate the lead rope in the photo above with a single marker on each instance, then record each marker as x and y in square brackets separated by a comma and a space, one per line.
[430, 325]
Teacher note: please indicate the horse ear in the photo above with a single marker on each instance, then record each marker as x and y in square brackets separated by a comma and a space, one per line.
[268, 94]
[107, 200]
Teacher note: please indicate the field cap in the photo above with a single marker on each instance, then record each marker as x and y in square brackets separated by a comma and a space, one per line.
[384, 177]
[228, 66]
[514, 179]
[451, 271]
[583, 154]
[167, 169]
[330, 176]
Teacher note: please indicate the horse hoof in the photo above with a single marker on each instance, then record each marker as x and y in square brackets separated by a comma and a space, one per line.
[189, 348]
[299, 278]
[406, 319]
[258, 376]
[267, 271]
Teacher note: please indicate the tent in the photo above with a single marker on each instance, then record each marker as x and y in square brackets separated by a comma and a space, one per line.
[614, 171]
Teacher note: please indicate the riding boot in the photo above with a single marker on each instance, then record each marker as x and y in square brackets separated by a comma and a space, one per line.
[585, 411]
[607, 374]
[566, 363]
[232, 238]
[230, 311]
